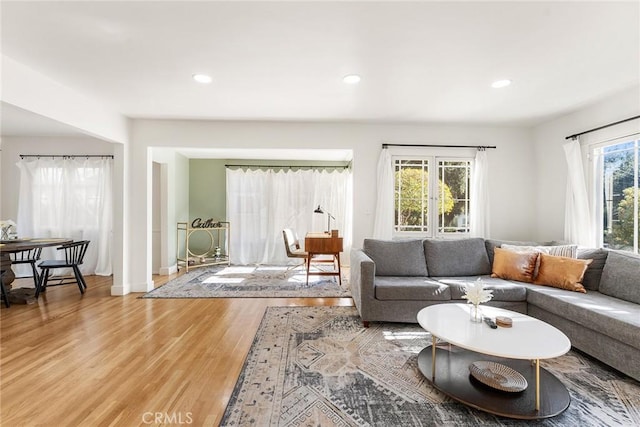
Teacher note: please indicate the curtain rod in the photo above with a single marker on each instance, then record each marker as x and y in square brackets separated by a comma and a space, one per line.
[575, 135]
[480, 147]
[67, 156]
[290, 166]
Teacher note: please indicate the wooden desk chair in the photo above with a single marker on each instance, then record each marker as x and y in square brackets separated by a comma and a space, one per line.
[292, 246]
[28, 256]
[73, 256]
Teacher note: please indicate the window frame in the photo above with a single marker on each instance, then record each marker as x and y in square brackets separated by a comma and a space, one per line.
[433, 160]
[596, 185]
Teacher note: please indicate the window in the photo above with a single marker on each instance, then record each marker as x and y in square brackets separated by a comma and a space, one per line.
[617, 194]
[69, 197]
[432, 195]
[68, 190]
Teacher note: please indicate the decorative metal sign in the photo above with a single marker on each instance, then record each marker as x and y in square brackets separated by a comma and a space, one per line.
[208, 223]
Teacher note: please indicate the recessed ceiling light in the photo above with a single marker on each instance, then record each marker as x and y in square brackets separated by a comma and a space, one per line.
[500, 83]
[202, 78]
[351, 79]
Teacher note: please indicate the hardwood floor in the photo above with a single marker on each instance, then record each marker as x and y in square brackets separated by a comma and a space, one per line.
[98, 360]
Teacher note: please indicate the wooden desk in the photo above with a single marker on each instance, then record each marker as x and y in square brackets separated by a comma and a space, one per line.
[323, 244]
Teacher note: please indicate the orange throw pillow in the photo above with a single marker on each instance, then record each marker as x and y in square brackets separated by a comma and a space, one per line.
[510, 265]
[561, 272]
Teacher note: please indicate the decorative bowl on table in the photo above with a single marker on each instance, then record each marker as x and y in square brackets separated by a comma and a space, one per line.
[498, 376]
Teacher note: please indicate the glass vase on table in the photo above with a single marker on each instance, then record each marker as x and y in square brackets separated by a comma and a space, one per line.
[475, 313]
[475, 293]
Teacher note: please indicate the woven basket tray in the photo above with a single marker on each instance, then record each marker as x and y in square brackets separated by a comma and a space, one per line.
[498, 376]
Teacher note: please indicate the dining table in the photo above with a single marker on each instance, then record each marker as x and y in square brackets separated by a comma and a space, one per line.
[22, 295]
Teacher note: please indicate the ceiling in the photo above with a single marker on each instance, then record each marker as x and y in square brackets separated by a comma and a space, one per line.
[419, 61]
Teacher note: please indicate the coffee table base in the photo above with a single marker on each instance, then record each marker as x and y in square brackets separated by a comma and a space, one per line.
[453, 379]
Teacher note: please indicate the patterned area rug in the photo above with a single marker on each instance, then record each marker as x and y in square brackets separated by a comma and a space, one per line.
[251, 282]
[317, 366]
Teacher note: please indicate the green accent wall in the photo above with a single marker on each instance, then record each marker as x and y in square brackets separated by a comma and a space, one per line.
[207, 189]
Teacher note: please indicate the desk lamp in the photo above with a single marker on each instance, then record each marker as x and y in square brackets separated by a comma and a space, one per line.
[319, 210]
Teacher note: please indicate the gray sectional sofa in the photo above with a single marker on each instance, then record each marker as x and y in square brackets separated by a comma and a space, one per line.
[392, 280]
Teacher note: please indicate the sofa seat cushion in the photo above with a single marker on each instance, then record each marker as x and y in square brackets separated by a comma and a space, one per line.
[610, 316]
[503, 290]
[396, 257]
[463, 257]
[389, 288]
[621, 276]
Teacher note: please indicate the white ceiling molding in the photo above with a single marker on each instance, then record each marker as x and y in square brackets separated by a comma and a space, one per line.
[333, 155]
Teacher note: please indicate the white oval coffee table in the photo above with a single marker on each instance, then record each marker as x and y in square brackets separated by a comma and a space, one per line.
[520, 347]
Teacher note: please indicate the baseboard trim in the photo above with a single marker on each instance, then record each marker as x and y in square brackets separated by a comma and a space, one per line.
[118, 291]
[165, 271]
[143, 287]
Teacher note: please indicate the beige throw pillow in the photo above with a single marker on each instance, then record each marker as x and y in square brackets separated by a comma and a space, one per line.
[570, 251]
[562, 272]
[511, 265]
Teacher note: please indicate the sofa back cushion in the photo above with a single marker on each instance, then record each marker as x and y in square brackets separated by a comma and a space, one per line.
[591, 279]
[621, 276]
[451, 258]
[396, 257]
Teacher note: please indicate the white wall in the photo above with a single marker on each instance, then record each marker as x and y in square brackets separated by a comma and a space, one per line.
[511, 176]
[551, 172]
[157, 215]
[176, 202]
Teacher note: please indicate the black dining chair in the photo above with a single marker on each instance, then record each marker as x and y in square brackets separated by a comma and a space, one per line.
[73, 256]
[28, 256]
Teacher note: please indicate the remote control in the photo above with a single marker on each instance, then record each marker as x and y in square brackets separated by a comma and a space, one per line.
[490, 322]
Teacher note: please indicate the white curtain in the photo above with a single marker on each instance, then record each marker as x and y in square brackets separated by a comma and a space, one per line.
[578, 226]
[383, 221]
[69, 197]
[479, 204]
[261, 203]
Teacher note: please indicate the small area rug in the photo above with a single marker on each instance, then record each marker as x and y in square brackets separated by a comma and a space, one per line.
[251, 282]
[317, 366]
